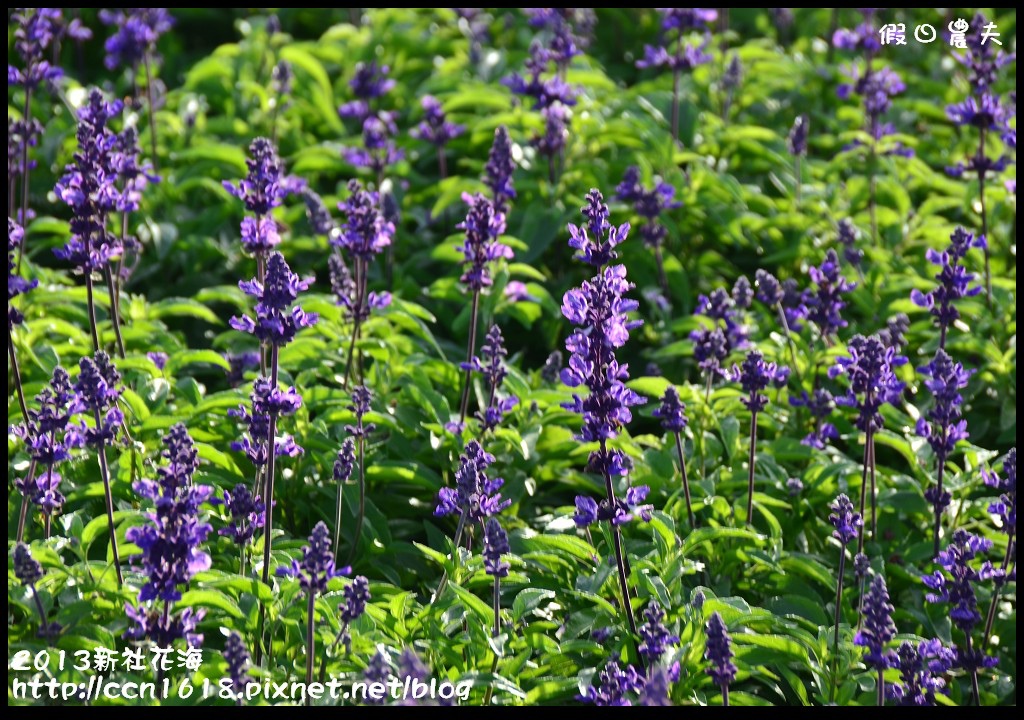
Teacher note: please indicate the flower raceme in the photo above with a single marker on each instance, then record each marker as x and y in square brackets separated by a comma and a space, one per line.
[483, 225]
[474, 493]
[276, 321]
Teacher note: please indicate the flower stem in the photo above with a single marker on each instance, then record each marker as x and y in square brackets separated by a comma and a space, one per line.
[337, 518]
[839, 605]
[873, 193]
[686, 482]
[91, 302]
[360, 281]
[310, 640]
[442, 163]
[799, 179]
[881, 688]
[940, 471]
[975, 691]
[868, 440]
[627, 607]
[268, 498]
[152, 109]
[497, 606]
[474, 317]
[753, 464]
[874, 490]
[115, 312]
[109, 497]
[789, 338]
[44, 628]
[16, 371]
[984, 220]
[458, 538]
[23, 215]
[991, 616]
[360, 444]
[725, 695]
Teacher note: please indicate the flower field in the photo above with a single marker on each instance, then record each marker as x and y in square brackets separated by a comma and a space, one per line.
[485, 356]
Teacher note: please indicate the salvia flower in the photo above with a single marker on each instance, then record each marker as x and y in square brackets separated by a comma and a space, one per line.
[96, 393]
[266, 399]
[878, 628]
[277, 318]
[357, 595]
[475, 493]
[369, 82]
[820, 404]
[954, 280]
[957, 586]
[797, 139]
[495, 545]
[649, 204]
[1006, 485]
[677, 23]
[742, 293]
[895, 333]
[366, 232]
[845, 520]
[263, 188]
[847, 236]
[718, 653]
[379, 150]
[499, 170]
[35, 30]
[248, 514]
[345, 461]
[137, 31]
[483, 225]
[237, 657]
[861, 566]
[672, 411]
[362, 396]
[281, 77]
[317, 566]
[239, 363]
[615, 685]
[655, 638]
[617, 512]
[597, 238]
[491, 364]
[942, 426]
[16, 285]
[28, 570]
[656, 688]
[755, 375]
[922, 668]
[869, 367]
[435, 128]
[825, 302]
[320, 220]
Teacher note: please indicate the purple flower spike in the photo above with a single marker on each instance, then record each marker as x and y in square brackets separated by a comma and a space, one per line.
[499, 170]
[655, 638]
[137, 32]
[435, 127]
[878, 629]
[1006, 484]
[248, 514]
[825, 302]
[239, 663]
[672, 411]
[921, 669]
[797, 140]
[954, 281]
[491, 365]
[276, 320]
[718, 653]
[846, 522]
[847, 235]
[483, 226]
[755, 375]
[614, 686]
[495, 545]
[869, 367]
[941, 425]
[357, 596]
[474, 493]
[316, 567]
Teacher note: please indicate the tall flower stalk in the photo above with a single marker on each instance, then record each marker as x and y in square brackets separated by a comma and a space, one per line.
[16, 285]
[825, 302]
[491, 364]
[718, 652]
[942, 425]
[313, 572]
[499, 170]
[755, 375]
[495, 545]
[847, 524]
[796, 142]
[984, 111]
[869, 367]
[672, 414]
[676, 53]
[649, 204]
[361, 398]
[275, 322]
[96, 395]
[599, 309]
[364, 235]
[483, 225]
[343, 466]
[171, 546]
[877, 632]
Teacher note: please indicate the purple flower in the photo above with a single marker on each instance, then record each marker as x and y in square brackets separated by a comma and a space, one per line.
[158, 358]
[733, 75]
[345, 461]
[133, 173]
[263, 188]
[276, 320]
[162, 629]
[755, 375]
[797, 140]
[742, 293]
[499, 170]
[26, 568]
[656, 688]
[136, 34]
[316, 567]
[492, 367]
[266, 399]
[1006, 506]
[676, 23]
[362, 396]
[281, 78]
[957, 585]
[597, 239]
[248, 514]
[474, 493]
[869, 367]
[878, 628]
[366, 232]
[495, 545]
[239, 363]
[320, 220]
[88, 188]
[710, 349]
[617, 512]
[794, 486]
[954, 280]
[825, 302]
[369, 82]
[237, 657]
[614, 685]
[649, 204]
[846, 522]
[921, 669]
[379, 150]
[861, 565]
[941, 426]
[718, 652]
[672, 411]
[483, 225]
[847, 235]
[655, 638]
[96, 393]
[895, 332]
[357, 596]
[35, 30]
[820, 404]
[435, 127]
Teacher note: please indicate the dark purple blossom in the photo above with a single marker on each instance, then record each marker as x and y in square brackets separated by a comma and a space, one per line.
[845, 520]
[248, 514]
[861, 566]
[281, 78]
[357, 595]
[754, 376]
[742, 293]
[797, 139]
[869, 367]
[137, 31]
[35, 31]
[158, 358]
[895, 333]
[710, 350]
[954, 280]
[482, 227]
[495, 545]
[491, 364]
[820, 404]
[672, 411]
[825, 302]
[1006, 485]
[718, 652]
[957, 585]
[922, 668]
[239, 363]
[379, 150]
[649, 204]
[942, 425]
[475, 493]
[345, 461]
[369, 82]
[676, 25]
[847, 236]
[435, 127]
[320, 220]
[26, 568]
[277, 319]
[655, 638]
[768, 288]
[266, 399]
[237, 657]
[161, 628]
[878, 629]
[316, 567]
[656, 688]
[615, 685]
[96, 394]
[499, 170]
[16, 285]
[263, 188]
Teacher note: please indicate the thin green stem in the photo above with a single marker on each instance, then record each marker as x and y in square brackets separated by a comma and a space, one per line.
[268, 499]
[839, 605]
[109, 498]
[474, 317]
[686, 482]
[752, 465]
